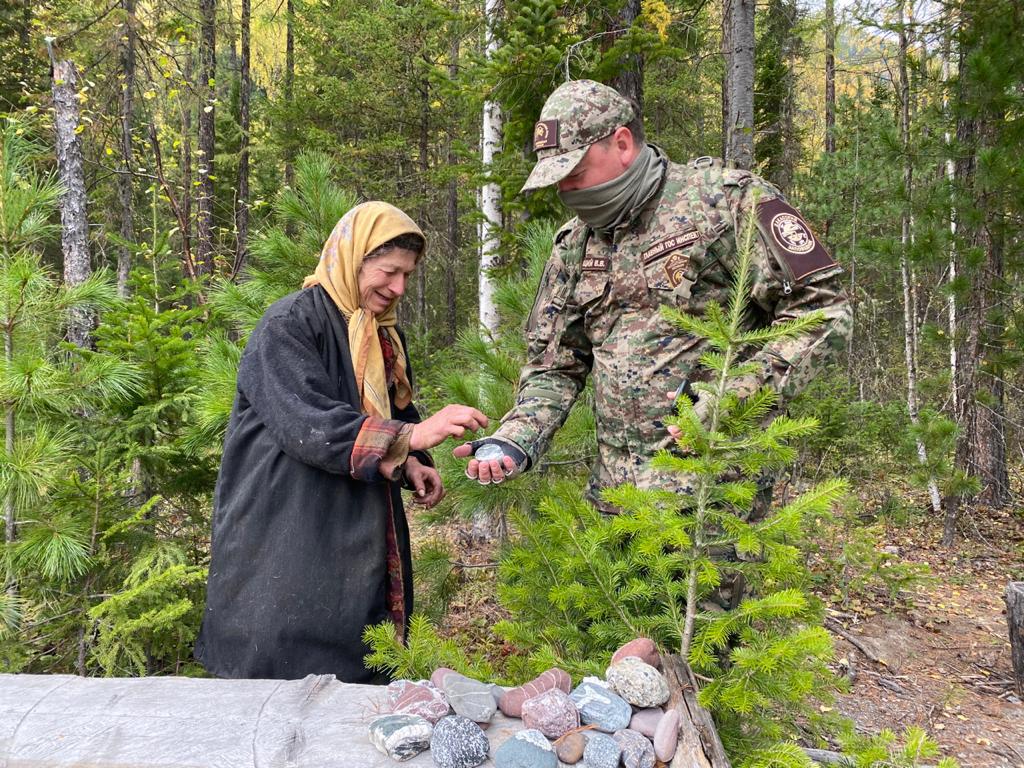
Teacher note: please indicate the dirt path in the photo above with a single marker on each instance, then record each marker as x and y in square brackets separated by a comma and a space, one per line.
[944, 665]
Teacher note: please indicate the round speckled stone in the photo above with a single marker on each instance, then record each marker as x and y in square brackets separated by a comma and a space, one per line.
[526, 749]
[458, 742]
[637, 750]
[638, 682]
[552, 713]
[602, 751]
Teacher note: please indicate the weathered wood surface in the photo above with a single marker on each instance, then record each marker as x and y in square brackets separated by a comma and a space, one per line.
[1015, 623]
[60, 721]
[699, 745]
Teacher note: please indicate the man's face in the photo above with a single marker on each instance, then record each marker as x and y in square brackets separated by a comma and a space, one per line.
[382, 279]
[603, 161]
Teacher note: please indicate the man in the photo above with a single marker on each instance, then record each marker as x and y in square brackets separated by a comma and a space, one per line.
[647, 232]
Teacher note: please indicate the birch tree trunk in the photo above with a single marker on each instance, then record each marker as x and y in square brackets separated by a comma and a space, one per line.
[244, 96]
[188, 260]
[454, 241]
[726, 70]
[950, 168]
[424, 192]
[73, 217]
[910, 320]
[124, 176]
[490, 193]
[830, 97]
[205, 151]
[740, 124]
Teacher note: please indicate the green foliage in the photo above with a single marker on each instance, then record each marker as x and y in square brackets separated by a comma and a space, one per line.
[423, 652]
[914, 749]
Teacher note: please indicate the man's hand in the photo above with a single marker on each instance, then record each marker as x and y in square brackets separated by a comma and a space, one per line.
[486, 472]
[427, 489]
[496, 459]
[450, 421]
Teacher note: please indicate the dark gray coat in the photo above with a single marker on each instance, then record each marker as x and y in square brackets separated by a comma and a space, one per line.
[298, 562]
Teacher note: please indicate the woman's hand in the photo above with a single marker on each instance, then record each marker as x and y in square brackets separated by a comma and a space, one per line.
[425, 482]
[450, 421]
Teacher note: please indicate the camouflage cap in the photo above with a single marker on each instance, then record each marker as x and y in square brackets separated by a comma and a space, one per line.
[578, 114]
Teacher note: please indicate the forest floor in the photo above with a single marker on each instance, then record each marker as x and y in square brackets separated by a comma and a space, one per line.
[928, 650]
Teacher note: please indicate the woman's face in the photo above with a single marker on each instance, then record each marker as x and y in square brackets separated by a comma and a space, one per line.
[382, 279]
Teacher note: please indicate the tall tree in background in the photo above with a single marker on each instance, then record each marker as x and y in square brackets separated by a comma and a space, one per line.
[244, 96]
[206, 144]
[630, 81]
[739, 125]
[73, 201]
[777, 144]
[830, 94]
[124, 176]
[490, 192]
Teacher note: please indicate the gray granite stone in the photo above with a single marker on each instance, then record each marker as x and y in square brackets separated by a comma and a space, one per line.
[458, 742]
[638, 682]
[469, 698]
[526, 749]
[637, 750]
[600, 707]
[602, 751]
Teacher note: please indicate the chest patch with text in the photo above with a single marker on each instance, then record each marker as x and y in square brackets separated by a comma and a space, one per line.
[673, 242]
[595, 263]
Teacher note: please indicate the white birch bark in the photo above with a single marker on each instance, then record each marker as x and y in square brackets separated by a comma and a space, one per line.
[490, 193]
[909, 301]
[951, 178]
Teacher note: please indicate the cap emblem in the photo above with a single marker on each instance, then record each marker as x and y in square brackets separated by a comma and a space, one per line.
[545, 134]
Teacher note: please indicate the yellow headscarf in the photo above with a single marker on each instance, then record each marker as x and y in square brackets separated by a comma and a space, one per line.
[359, 231]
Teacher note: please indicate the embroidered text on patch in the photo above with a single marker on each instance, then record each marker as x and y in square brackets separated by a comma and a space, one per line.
[595, 264]
[672, 242]
[791, 233]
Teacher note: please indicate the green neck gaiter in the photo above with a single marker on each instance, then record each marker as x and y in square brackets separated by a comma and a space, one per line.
[606, 206]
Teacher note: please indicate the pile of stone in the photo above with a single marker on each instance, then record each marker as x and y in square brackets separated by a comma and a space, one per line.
[602, 722]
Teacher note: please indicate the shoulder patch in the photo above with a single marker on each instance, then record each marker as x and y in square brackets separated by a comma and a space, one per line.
[791, 239]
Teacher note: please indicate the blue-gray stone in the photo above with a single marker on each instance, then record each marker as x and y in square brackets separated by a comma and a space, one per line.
[526, 749]
[458, 742]
[602, 751]
[600, 707]
[637, 750]
[400, 737]
[469, 698]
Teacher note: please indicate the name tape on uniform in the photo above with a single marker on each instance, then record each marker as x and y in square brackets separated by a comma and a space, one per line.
[673, 242]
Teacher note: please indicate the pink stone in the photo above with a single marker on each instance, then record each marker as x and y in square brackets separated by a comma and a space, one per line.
[642, 648]
[552, 713]
[667, 736]
[423, 699]
[511, 703]
[646, 720]
[438, 675]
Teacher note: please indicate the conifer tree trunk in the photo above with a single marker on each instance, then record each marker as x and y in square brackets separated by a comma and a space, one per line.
[124, 176]
[630, 80]
[726, 69]
[424, 170]
[490, 193]
[73, 217]
[740, 125]
[207, 111]
[245, 92]
[289, 90]
[188, 261]
[830, 97]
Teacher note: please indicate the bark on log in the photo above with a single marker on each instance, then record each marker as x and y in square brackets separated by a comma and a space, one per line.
[699, 745]
[1015, 622]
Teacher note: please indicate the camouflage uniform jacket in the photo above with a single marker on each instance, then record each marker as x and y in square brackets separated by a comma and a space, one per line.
[597, 312]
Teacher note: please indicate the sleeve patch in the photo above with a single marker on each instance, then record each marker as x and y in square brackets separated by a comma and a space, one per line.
[791, 239]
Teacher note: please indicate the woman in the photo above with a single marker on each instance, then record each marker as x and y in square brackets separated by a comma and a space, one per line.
[310, 542]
